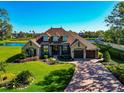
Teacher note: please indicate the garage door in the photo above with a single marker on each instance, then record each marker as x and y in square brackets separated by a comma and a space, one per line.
[90, 54]
[78, 53]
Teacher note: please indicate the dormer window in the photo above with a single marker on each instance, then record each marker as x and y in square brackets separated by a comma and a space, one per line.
[45, 38]
[55, 38]
[65, 38]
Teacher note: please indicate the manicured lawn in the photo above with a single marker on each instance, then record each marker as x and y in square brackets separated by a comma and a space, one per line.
[8, 51]
[38, 69]
[90, 38]
[13, 40]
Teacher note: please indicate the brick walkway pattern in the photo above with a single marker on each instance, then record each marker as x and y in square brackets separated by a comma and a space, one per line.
[92, 76]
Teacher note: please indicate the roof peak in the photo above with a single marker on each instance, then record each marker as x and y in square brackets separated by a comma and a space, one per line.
[56, 28]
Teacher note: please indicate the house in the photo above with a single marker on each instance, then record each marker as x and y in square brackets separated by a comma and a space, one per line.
[57, 41]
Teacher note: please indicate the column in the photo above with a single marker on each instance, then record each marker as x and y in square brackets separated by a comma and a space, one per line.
[84, 53]
[38, 52]
[72, 52]
[60, 50]
[96, 53]
[50, 50]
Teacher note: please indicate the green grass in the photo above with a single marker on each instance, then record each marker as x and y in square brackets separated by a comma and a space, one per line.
[13, 40]
[90, 38]
[8, 51]
[38, 69]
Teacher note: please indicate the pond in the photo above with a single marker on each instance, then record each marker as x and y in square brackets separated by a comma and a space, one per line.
[12, 44]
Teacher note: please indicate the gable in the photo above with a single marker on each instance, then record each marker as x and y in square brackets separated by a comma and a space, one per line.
[77, 44]
[31, 44]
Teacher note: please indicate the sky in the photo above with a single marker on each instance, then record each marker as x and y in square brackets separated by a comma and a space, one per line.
[70, 15]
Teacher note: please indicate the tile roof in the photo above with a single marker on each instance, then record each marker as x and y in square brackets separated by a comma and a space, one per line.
[89, 46]
[72, 36]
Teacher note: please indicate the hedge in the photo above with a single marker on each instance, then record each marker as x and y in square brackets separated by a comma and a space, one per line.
[114, 53]
[117, 54]
[106, 56]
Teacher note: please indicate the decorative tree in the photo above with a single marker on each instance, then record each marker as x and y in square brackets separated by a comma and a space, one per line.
[106, 56]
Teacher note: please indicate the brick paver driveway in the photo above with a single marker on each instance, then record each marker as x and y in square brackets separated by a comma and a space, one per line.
[92, 76]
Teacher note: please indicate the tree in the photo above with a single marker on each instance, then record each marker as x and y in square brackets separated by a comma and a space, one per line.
[116, 18]
[5, 26]
[33, 34]
[116, 22]
[106, 56]
[8, 30]
[21, 34]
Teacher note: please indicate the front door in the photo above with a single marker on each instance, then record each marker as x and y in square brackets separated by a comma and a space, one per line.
[55, 50]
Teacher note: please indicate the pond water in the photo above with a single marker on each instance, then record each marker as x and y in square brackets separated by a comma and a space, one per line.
[12, 44]
[21, 44]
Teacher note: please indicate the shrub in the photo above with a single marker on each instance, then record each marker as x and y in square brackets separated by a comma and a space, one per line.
[106, 56]
[21, 80]
[115, 53]
[16, 58]
[45, 56]
[104, 48]
[65, 57]
[5, 78]
[52, 61]
[22, 56]
[118, 71]
[57, 80]
[13, 58]
[100, 55]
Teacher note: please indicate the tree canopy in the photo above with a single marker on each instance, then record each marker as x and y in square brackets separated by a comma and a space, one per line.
[5, 26]
[116, 18]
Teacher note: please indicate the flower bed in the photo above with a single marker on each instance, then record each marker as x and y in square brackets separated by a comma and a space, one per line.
[50, 61]
[27, 59]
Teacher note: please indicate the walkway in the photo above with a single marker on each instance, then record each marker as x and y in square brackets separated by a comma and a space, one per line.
[91, 76]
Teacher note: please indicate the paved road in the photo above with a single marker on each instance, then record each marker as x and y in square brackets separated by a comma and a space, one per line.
[120, 47]
[91, 76]
[117, 46]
